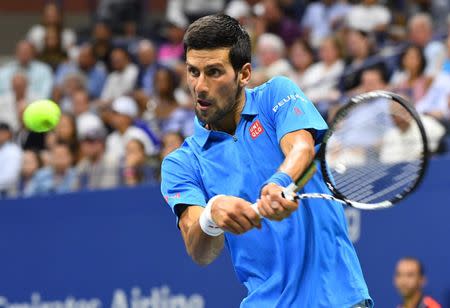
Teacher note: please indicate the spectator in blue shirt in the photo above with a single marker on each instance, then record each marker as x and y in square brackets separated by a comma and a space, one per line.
[40, 76]
[57, 178]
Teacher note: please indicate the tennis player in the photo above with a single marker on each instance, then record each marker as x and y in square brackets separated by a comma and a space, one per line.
[247, 146]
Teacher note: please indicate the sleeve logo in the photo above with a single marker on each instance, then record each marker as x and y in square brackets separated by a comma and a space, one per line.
[256, 129]
[288, 98]
[175, 196]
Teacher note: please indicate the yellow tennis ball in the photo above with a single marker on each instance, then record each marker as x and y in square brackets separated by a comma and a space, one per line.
[41, 116]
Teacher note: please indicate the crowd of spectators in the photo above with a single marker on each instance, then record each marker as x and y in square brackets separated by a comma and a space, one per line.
[124, 98]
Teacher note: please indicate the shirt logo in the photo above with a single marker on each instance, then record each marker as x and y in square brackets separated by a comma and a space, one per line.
[176, 196]
[297, 111]
[256, 129]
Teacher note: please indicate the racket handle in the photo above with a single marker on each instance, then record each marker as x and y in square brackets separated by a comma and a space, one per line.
[289, 192]
[255, 208]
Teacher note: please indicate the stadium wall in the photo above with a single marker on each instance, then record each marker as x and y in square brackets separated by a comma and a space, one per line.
[121, 249]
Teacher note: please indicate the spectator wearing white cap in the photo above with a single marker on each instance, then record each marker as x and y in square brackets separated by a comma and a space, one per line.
[95, 170]
[124, 112]
[137, 165]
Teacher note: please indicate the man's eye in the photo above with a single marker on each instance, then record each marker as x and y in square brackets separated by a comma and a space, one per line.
[193, 72]
[214, 72]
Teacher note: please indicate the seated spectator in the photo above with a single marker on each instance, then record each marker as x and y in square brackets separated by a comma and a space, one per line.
[172, 51]
[272, 19]
[11, 160]
[13, 102]
[420, 32]
[397, 145]
[301, 56]
[102, 43]
[58, 177]
[94, 72]
[410, 80]
[170, 116]
[51, 17]
[40, 76]
[124, 111]
[170, 142]
[80, 103]
[321, 79]
[409, 279]
[137, 168]
[369, 16]
[436, 100]
[122, 79]
[53, 53]
[95, 170]
[72, 82]
[31, 164]
[270, 52]
[147, 67]
[65, 132]
[322, 18]
[360, 53]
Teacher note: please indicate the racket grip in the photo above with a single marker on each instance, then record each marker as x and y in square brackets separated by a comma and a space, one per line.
[289, 192]
[255, 208]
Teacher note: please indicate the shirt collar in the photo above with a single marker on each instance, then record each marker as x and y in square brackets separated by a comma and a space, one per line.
[201, 134]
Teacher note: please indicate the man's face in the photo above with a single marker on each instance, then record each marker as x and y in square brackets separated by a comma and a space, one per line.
[213, 83]
[24, 53]
[407, 278]
[371, 80]
[61, 158]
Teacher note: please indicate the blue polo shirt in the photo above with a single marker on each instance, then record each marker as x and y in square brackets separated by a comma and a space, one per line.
[306, 260]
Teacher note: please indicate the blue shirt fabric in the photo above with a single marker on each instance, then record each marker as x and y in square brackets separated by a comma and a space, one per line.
[306, 260]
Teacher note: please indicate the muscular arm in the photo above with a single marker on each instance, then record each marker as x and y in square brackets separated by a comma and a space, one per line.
[298, 148]
[202, 248]
[231, 214]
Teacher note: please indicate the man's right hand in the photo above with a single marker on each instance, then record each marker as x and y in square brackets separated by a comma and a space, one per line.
[234, 215]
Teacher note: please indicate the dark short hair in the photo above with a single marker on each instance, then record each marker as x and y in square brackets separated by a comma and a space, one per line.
[417, 261]
[423, 60]
[220, 31]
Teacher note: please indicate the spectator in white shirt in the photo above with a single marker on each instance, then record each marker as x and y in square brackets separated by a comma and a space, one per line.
[40, 76]
[322, 18]
[420, 32]
[14, 102]
[369, 16]
[122, 80]
[11, 160]
[270, 50]
[301, 56]
[321, 79]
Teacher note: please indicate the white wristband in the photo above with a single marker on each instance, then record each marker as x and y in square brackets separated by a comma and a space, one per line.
[206, 222]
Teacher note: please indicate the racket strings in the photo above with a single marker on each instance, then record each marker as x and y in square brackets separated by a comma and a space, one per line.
[376, 151]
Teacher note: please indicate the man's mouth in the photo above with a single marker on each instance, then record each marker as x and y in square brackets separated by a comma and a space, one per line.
[203, 104]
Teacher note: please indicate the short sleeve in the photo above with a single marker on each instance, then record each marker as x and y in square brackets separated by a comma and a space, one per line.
[179, 184]
[290, 110]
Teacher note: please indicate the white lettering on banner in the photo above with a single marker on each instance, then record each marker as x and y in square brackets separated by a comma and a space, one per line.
[159, 297]
[287, 99]
[354, 223]
[36, 302]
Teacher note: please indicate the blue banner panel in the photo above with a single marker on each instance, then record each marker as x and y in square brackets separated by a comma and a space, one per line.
[116, 248]
[122, 249]
[418, 227]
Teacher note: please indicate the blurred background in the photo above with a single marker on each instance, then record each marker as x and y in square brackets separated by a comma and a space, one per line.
[82, 221]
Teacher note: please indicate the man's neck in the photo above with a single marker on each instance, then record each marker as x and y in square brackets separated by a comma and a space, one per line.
[412, 301]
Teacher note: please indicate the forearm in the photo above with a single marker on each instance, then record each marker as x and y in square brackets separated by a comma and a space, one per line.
[202, 248]
[298, 148]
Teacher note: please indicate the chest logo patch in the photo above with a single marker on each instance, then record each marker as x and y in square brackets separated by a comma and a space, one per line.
[256, 129]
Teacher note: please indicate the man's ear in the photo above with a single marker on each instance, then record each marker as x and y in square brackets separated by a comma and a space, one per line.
[245, 74]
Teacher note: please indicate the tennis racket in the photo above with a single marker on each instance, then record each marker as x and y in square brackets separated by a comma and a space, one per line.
[373, 155]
